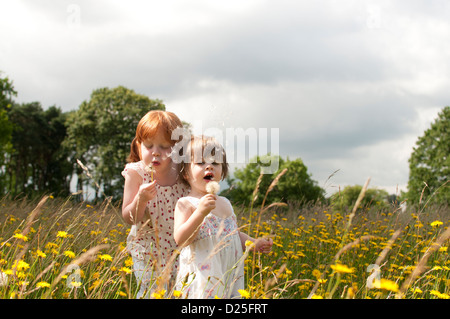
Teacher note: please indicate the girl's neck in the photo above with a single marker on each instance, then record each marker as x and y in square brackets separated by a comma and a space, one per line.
[167, 177]
[196, 193]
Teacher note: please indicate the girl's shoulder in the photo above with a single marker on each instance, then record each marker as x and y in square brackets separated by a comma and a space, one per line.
[226, 200]
[138, 167]
[187, 203]
[193, 201]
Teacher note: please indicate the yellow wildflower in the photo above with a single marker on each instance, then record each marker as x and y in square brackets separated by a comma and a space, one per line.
[343, 269]
[244, 293]
[40, 253]
[417, 291]
[125, 270]
[129, 262]
[106, 257]
[62, 234]
[75, 284]
[436, 223]
[43, 284]
[177, 293]
[20, 265]
[439, 295]
[20, 236]
[386, 284]
[69, 253]
[314, 296]
[351, 292]
[316, 273]
[158, 295]
[437, 268]
[249, 244]
[8, 272]
[95, 284]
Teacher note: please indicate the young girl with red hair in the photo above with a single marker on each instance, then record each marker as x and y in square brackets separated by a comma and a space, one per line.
[152, 188]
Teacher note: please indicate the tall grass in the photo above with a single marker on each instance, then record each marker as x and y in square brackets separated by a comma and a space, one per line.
[361, 252]
[57, 248]
[62, 249]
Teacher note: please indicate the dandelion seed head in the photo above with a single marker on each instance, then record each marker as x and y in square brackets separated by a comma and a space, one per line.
[212, 188]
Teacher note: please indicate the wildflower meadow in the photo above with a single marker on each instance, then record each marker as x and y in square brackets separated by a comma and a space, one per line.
[59, 248]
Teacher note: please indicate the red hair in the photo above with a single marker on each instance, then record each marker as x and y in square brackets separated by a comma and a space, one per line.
[148, 126]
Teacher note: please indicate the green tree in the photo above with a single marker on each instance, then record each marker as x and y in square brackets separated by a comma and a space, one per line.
[429, 164]
[100, 133]
[37, 163]
[295, 185]
[346, 199]
[6, 128]
[6, 92]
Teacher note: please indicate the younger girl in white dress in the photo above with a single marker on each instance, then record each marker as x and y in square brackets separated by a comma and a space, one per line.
[210, 261]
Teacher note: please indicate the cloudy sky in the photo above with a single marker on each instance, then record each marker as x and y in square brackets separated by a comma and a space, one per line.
[350, 85]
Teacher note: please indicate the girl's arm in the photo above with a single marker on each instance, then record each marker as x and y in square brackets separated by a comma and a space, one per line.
[135, 197]
[261, 244]
[187, 219]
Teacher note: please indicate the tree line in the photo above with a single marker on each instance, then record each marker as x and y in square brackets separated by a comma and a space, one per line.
[41, 149]
[48, 151]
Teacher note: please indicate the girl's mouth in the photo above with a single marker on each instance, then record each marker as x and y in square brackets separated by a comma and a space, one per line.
[208, 177]
[156, 163]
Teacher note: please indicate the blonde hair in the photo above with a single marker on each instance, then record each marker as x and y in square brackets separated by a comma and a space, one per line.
[148, 126]
[195, 151]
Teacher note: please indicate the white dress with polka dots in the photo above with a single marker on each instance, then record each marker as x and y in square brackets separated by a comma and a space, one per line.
[150, 241]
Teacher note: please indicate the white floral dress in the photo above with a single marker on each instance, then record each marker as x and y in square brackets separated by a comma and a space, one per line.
[212, 265]
[147, 243]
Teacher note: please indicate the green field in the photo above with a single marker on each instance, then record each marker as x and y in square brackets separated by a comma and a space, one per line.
[53, 248]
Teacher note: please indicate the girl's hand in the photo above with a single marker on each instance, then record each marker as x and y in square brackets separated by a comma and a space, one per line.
[207, 204]
[147, 191]
[264, 245]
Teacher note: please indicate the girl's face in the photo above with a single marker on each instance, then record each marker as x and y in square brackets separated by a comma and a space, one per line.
[155, 151]
[203, 173]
